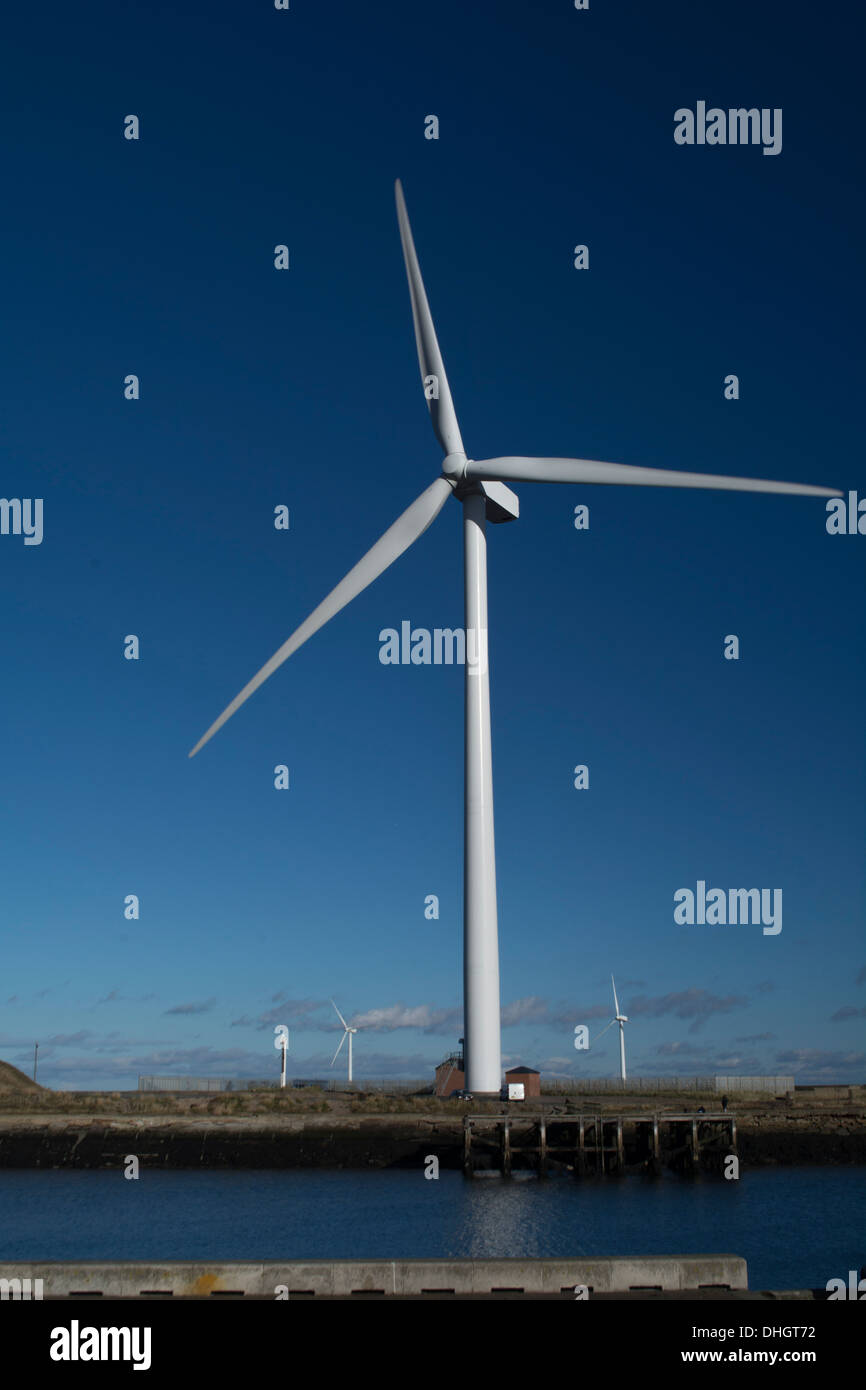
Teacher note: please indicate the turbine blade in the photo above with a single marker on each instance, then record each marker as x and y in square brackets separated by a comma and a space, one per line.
[600, 1035]
[337, 1053]
[615, 1000]
[540, 470]
[404, 532]
[442, 413]
[340, 1016]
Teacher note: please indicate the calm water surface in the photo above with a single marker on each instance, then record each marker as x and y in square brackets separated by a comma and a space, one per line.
[796, 1227]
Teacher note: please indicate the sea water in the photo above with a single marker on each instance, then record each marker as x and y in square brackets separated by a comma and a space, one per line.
[796, 1227]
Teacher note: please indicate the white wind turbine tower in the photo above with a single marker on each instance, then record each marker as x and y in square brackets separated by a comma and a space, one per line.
[348, 1034]
[620, 1019]
[480, 489]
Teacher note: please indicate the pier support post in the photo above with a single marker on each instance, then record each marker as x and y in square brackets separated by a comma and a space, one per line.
[581, 1146]
[656, 1158]
[620, 1147]
[542, 1148]
[695, 1145]
[467, 1147]
[506, 1148]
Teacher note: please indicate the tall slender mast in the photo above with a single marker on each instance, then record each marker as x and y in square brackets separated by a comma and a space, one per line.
[480, 930]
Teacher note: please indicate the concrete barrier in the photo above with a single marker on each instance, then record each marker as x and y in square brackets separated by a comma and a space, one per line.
[336, 1278]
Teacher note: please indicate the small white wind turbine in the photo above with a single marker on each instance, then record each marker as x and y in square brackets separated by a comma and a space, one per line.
[281, 1041]
[480, 486]
[348, 1034]
[620, 1019]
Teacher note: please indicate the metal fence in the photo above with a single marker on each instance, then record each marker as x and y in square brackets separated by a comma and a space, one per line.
[367, 1083]
[765, 1085]
[778, 1085]
[190, 1083]
[772, 1085]
[225, 1083]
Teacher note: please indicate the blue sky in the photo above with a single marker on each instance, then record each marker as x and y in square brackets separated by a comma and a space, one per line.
[262, 387]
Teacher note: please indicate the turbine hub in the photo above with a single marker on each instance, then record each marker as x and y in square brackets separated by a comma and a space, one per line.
[454, 467]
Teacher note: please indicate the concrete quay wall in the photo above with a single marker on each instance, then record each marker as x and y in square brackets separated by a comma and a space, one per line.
[368, 1141]
[336, 1278]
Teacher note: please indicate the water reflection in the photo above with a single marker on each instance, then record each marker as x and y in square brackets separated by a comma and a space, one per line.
[504, 1218]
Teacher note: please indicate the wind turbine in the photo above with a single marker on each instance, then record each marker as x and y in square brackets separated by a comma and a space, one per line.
[620, 1019]
[480, 487]
[281, 1040]
[348, 1034]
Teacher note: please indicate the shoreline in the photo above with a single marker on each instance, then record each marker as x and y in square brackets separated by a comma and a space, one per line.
[377, 1141]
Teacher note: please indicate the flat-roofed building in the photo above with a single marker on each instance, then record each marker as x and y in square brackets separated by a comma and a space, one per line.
[528, 1077]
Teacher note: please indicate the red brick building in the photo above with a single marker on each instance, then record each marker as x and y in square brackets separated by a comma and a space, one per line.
[530, 1079]
[450, 1075]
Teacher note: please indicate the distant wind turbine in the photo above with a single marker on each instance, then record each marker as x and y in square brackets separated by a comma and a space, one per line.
[480, 488]
[620, 1019]
[348, 1034]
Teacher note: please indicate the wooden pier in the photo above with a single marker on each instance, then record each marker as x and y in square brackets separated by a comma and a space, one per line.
[598, 1145]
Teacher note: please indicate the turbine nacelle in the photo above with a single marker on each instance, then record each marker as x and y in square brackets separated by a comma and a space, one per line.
[502, 503]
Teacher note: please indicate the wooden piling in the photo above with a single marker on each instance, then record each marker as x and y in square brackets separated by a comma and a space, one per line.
[595, 1143]
[467, 1147]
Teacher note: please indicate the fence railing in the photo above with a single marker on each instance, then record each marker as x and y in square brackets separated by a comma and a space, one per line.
[772, 1085]
[233, 1083]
